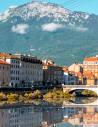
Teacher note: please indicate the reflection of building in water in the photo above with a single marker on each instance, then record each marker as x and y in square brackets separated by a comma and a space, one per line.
[72, 111]
[90, 120]
[52, 115]
[76, 120]
[30, 117]
[73, 115]
[14, 117]
[65, 113]
[21, 117]
[4, 118]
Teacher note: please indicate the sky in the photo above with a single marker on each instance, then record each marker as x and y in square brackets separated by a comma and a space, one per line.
[89, 6]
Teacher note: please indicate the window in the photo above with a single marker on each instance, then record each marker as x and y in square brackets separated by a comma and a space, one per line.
[7, 80]
[7, 73]
[3, 73]
[3, 67]
[0, 72]
[88, 70]
[12, 61]
[7, 68]
[96, 70]
[88, 66]
[95, 66]
[92, 66]
[0, 67]
[85, 66]
[85, 62]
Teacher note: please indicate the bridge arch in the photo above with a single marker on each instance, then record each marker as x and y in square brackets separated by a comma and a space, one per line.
[93, 88]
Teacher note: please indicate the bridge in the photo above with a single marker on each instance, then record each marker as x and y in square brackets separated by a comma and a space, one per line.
[72, 88]
[71, 104]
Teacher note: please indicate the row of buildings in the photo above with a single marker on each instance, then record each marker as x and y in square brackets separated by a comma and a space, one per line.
[26, 71]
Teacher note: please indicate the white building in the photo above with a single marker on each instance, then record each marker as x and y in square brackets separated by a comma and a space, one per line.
[65, 76]
[29, 117]
[31, 70]
[15, 68]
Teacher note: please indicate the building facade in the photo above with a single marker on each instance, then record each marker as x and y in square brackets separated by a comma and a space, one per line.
[31, 70]
[90, 65]
[4, 73]
[76, 67]
[15, 68]
[52, 73]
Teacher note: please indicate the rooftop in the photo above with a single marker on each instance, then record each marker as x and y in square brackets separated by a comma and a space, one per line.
[3, 62]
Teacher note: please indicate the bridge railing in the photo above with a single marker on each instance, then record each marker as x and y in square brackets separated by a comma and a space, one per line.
[80, 86]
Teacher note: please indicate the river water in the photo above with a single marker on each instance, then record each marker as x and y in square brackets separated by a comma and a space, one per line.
[79, 112]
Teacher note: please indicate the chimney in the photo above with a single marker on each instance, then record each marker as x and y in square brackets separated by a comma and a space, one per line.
[25, 54]
[4, 59]
[29, 55]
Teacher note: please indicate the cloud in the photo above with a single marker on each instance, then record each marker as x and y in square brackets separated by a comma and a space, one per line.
[54, 26]
[77, 28]
[81, 28]
[51, 27]
[20, 28]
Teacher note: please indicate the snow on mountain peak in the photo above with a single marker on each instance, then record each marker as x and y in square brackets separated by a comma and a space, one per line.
[13, 7]
[42, 9]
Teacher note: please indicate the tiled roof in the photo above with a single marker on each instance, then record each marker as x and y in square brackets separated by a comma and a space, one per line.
[88, 115]
[3, 62]
[8, 56]
[89, 76]
[44, 64]
[91, 59]
[65, 70]
[82, 75]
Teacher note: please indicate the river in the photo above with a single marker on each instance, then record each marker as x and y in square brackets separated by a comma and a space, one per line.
[79, 112]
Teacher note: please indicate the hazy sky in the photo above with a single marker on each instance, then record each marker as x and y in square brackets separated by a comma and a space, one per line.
[89, 6]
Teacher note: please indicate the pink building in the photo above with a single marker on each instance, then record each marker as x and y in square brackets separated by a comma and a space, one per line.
[4, 73]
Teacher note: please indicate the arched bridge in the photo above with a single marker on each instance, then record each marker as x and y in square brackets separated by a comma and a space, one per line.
[80, 87]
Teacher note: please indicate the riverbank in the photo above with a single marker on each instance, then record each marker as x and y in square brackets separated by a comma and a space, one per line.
[38, 95]
[61, 94]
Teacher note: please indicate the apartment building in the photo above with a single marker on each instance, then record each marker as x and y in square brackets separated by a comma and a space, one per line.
[90, 65]
[4, 118]
[31, 70]
[4, 73]
[52, 73]
[15, 68]
[90, 119]
[76, 67]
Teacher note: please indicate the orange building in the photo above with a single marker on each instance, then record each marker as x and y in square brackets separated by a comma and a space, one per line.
[90, 119]
[90, 65]
[4, 73]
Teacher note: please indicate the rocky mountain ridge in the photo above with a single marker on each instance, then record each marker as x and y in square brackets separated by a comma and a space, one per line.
[43, 9]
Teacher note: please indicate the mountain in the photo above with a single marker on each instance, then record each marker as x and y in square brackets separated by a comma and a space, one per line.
[47, 30]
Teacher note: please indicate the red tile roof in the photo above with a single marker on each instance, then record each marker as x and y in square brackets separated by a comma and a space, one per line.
[91, 59]
[3, 62]
[8, 56]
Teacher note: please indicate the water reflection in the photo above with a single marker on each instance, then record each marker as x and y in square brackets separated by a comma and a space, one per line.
[41, 113]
